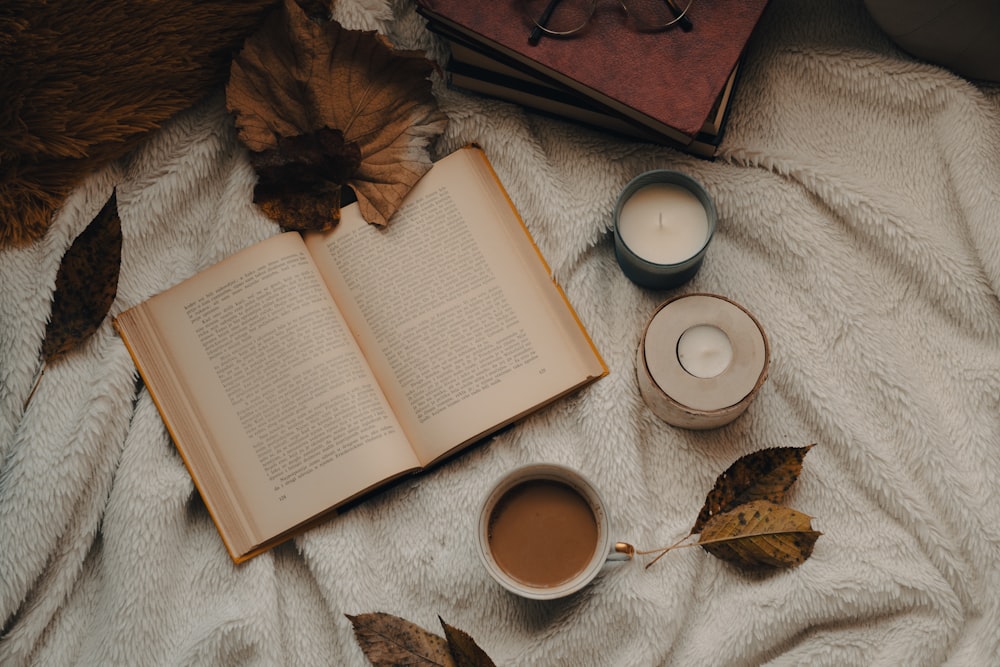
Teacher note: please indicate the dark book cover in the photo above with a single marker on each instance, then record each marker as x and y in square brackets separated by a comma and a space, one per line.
[668, 80]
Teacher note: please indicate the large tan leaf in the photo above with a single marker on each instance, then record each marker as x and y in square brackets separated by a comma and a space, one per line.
[764, 474]
[392, 116]
[298, 76]
[388, 640]
[760, 534]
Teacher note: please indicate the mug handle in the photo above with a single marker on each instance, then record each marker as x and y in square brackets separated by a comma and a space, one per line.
[621, 551]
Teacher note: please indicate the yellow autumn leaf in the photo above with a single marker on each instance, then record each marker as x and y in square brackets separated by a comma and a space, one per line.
[760, 534]
[765, 474]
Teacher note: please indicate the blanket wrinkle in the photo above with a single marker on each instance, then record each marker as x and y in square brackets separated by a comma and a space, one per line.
[886, 228]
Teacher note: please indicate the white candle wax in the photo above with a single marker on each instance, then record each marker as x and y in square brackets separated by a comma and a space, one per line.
[704, 351]
[663, 223]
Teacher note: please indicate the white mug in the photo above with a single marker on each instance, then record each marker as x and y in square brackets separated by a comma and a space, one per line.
[604, 549]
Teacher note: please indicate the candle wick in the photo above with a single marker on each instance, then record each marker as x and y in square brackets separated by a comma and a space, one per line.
[661, 219]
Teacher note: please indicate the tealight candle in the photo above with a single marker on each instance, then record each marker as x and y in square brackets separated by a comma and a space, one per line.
[701, 361]
[704, 351]
[663, 223]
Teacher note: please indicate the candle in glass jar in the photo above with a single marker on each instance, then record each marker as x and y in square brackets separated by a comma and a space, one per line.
[663, 223]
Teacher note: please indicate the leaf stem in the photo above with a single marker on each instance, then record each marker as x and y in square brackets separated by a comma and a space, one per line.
[663, 550]
[34, 387]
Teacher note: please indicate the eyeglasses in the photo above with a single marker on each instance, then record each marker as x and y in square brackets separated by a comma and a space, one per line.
[560, 18]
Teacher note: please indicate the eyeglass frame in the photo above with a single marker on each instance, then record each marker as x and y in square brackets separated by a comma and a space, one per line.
[681, 19]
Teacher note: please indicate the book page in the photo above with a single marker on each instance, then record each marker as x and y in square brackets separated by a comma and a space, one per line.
[454, 308]
[288, 420]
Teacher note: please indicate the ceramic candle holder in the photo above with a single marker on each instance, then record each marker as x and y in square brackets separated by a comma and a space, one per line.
[701, 360]
[663, 223]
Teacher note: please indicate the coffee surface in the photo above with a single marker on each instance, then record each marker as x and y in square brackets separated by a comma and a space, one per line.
[542, 533]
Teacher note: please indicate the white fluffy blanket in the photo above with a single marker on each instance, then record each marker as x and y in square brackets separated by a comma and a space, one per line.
[859, 202]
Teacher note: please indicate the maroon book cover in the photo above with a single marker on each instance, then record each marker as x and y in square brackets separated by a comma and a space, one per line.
[667, 80]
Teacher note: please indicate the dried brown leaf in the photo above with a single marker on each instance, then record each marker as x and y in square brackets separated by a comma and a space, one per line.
[393, 122]
[765, 474]
[464, 649]
[298, 76]
[388, 640]
[299, 181]
[760, 534]
[86, 283]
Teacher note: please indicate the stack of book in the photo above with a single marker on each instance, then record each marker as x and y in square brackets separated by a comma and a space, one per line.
[672, 87]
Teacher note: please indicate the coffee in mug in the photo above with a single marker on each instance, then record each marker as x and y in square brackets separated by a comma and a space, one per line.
[544, 533]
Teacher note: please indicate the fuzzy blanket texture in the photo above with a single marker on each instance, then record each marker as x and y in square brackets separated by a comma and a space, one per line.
[81, 84]
[859, 203]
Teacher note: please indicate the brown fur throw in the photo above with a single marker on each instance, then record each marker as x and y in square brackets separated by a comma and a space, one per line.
[82, 82]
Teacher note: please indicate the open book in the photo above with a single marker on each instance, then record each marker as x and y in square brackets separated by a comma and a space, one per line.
[304, 372]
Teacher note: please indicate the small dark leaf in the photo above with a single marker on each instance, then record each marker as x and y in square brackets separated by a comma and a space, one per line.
[766, 474]
[760, 534]
[86, 284]
[464, 649]
[299, 181]
[388, 640]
